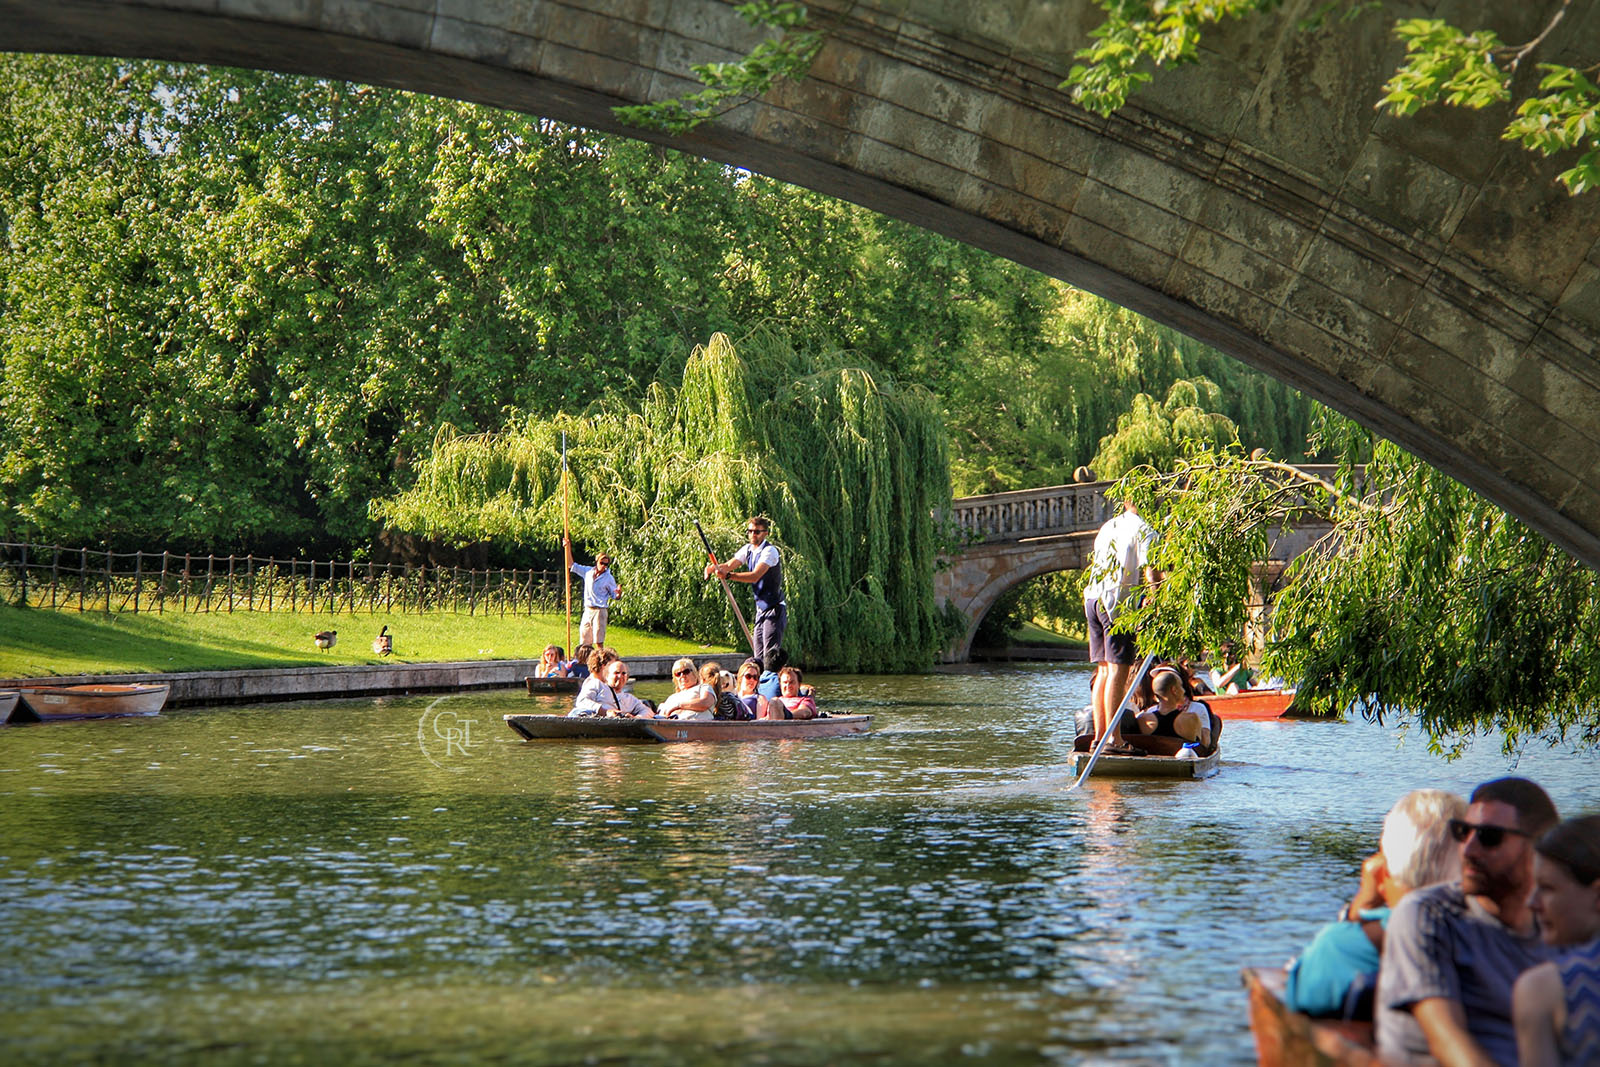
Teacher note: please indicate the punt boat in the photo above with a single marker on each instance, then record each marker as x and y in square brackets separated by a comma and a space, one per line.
[50, 702]
[8, 703]
[1148, 766]
[652, 731]
[1251, 704]
[552, 685]
[1286, 1038]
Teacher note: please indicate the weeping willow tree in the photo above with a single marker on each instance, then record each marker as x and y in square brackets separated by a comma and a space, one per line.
[849, 466]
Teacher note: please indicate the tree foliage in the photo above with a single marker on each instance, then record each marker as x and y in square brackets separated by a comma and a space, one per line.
[850, 467]
[1427, 605]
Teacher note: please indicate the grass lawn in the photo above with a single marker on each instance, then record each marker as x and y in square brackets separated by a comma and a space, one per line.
[37, 641]
[1034, 634]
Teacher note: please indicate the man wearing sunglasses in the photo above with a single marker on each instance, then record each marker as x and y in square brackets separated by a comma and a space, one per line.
[1453, 951]
[763, 568]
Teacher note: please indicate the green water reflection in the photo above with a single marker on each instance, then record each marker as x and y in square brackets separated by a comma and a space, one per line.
[334, 883]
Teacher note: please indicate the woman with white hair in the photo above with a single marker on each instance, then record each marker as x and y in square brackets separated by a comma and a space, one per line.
[1415, 850]
[690, 698]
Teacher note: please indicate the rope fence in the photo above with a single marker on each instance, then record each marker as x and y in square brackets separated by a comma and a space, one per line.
[87, 579]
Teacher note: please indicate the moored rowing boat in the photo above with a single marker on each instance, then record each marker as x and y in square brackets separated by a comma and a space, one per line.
[50, 702]
[1251, 704]
[1111, 766]
[652, 731]
[8, 703]
[1286, 1038]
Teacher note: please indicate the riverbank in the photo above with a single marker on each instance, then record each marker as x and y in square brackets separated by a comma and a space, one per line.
[262, 686]
[37, 643]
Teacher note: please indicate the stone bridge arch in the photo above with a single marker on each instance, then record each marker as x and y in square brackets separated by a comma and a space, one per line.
[1420, 275]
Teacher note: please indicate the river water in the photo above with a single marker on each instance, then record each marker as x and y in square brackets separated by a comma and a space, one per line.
[365, 881]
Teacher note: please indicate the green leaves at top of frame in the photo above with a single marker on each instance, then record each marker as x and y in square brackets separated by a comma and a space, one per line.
[787, 55]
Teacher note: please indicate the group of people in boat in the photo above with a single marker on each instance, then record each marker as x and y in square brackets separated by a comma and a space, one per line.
[1474, 934]
[773, 691]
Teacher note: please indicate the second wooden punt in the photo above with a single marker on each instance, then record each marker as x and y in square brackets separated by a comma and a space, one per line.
[50, 702]
[8, 703]
[1251, 704]
[654, 731]
[1286, 1038]
[552, 685]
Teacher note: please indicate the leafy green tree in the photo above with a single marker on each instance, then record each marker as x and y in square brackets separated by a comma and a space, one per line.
[1154, 435]
[849, 466]
[1427, 605]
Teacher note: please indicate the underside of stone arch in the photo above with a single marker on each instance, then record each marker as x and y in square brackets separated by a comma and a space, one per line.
[1420, 275]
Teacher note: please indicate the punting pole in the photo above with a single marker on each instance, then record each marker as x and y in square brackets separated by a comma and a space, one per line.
[566, 541]
[727, 589]
[1133, 684]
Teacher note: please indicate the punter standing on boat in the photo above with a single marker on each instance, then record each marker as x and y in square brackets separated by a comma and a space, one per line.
[762, 568]
[1452, 951]
[1121, 554]
[600, 588]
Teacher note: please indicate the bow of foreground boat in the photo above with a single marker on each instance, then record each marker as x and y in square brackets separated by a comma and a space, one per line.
[562, 728]
[1287, 1038]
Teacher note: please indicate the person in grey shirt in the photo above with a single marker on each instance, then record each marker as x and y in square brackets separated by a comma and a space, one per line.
[1453, 951]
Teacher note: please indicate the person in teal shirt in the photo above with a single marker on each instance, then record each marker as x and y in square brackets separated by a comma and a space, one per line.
[1415, 850]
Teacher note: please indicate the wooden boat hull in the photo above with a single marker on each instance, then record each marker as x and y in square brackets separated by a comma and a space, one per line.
[656, 731]
[50, 702]
[1288, 1039]
[8, 703]
[552, 685]
[1252, 704]
[1108, 766]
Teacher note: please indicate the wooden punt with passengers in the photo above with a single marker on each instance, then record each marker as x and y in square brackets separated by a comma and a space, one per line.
[1148, 766]
[48, 703]
[654, 731]
[1287, 1038]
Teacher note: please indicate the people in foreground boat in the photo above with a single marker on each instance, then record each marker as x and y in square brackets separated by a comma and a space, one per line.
[605, 694]
[691, 698]
[1453, 951]
[1337, 972]
[1556, 1005]
[551, 664]
[1176, 718]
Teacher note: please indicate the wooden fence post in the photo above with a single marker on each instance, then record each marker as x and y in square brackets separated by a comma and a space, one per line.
[230, 583]
[55, 573]
[161, 594]
[138, 576]
[22, 580]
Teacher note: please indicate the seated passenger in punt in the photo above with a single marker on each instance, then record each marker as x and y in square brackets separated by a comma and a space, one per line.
[1556, 1005]
[578, 665]
[747, 689]
[727, 706]
[605, 694]
[1336, 975]
[794, 700]
[1233, 676]
[691, 699]
[1174, 720]
[550, 664]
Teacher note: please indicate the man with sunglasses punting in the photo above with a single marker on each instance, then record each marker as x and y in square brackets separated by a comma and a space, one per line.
[763, 568]
[1454, 950]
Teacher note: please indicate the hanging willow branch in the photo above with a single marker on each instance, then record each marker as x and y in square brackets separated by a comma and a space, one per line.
[849, 466]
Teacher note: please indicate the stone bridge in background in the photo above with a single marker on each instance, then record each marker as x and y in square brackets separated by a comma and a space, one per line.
[1420, 275]
[1021, 535]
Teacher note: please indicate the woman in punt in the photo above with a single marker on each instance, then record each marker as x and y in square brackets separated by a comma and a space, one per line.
[1177, 722]
[1556, 1005]
[692, 698]
[747, 690]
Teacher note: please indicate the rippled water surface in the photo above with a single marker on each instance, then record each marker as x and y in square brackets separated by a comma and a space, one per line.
[362, 881]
